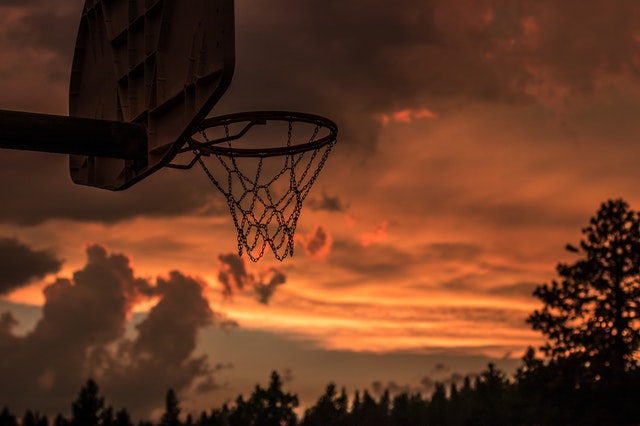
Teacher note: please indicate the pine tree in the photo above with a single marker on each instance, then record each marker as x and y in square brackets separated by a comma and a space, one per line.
[172, 410]
[330, 410]
[7, 419]
[122, 418]
[590, 315]
[87, 409]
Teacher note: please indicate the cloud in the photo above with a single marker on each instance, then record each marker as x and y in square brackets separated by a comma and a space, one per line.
[428, 383]
[407, 116]
[378, 388]
[82, 334]
[287, 375]
[522, 290]
[232, 273]
[352, 62]
[379, 260]
[29, 202]
[440, 368]
[20, 264]
[7, 322]
[267, 284]
[235, 277]
[451, 251]
[317, 244]
[327, 203]
[425, 384]
[377, 235]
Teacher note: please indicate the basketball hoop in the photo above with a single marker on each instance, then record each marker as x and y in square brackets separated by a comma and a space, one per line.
[266, 179]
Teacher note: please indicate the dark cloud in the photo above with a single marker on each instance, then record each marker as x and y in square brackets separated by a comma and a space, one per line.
[48, 27]
[173, 345]
[327, 203]
[355, 60]
[234, 276]
[81, 334]
[286, 375]
[440, 368]
[7, 323]
[29, 201]
[520, 290]
[267, 284]
[232, 273]
[378, 388]
[474, 283]
[451, 251]
[20, 264]
[426, 384]
[317, 243]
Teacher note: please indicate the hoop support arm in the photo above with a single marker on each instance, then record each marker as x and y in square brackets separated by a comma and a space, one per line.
[72, 135]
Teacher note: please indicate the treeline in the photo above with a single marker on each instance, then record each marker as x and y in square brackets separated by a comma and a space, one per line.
[535, 396]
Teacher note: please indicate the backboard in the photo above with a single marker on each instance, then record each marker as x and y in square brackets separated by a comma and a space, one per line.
[162, 64]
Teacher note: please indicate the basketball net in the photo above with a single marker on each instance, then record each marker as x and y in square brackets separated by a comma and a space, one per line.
[264, 191]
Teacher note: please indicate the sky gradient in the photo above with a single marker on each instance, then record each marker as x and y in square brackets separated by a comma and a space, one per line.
[476, 140]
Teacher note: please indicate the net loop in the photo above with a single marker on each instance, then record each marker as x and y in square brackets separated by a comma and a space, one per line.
[265, 186]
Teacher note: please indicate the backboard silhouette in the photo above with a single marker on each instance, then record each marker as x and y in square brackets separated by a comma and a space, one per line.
[160, 63]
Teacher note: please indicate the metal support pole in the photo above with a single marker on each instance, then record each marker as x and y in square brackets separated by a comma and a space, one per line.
[72, 135]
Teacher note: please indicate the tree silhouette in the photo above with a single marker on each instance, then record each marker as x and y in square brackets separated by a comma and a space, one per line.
[122, 418]
[31, 418]
[171, 411]
[7, 419]
[59, 420]
[266, 407]
[408, 410]
[591, 320]
[87, 409]
[437, 408]
[330, 410]
[591, 313]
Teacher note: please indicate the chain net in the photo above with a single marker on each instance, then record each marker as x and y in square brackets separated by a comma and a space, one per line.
[265, 193]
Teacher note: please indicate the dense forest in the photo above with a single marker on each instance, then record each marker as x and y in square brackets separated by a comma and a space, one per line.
[585, 374]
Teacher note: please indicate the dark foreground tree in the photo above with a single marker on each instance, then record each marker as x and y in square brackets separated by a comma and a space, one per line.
[330, 410]
[591, 320]
[32, 418]
[7, 419]
[592, 313]
[171, 416]
[266, 407]
[87, 409]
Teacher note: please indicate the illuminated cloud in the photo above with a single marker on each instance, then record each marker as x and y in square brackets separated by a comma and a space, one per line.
[407, 116]
[377, 235]
[20, 264]
[82, 334]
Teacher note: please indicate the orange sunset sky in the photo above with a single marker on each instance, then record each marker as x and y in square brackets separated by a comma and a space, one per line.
[476, 140]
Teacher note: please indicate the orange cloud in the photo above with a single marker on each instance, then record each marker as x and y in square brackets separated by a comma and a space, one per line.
[406, 115]
[377, 235]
